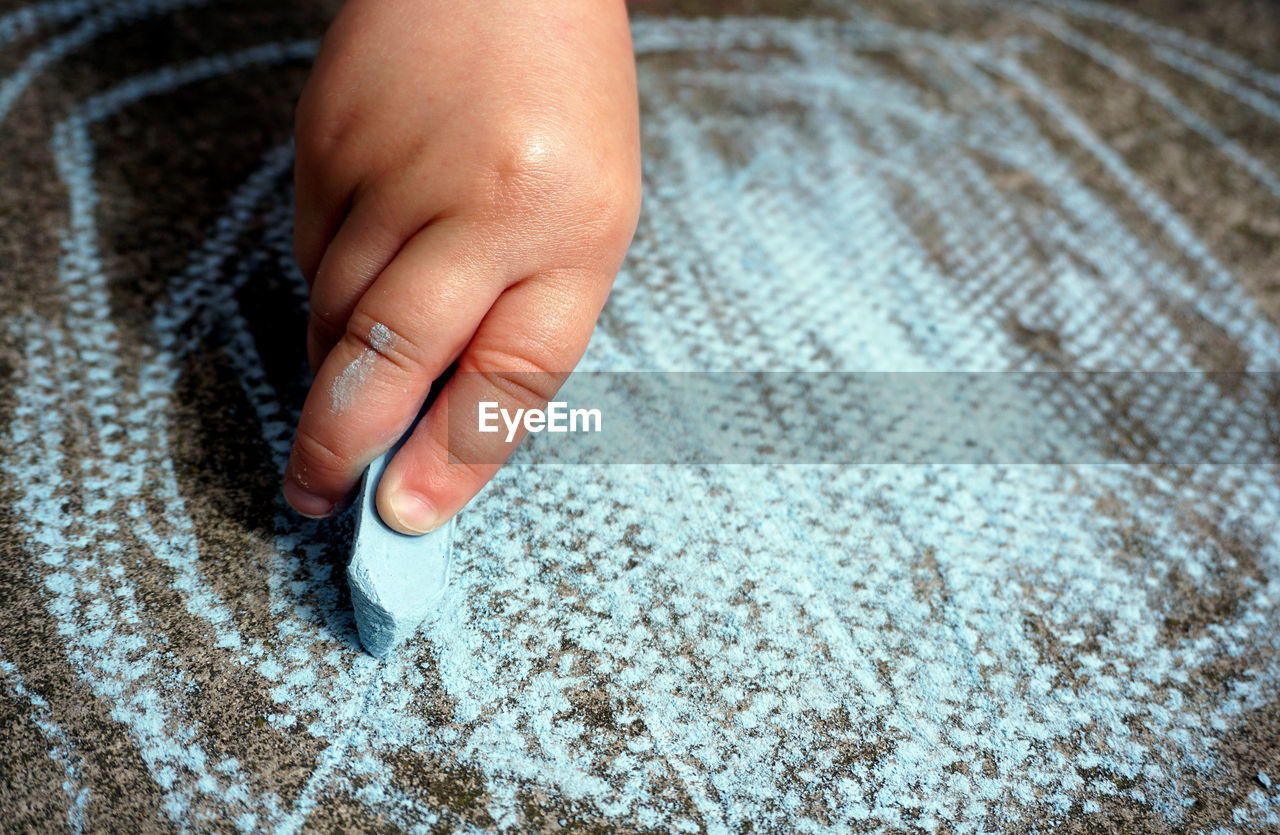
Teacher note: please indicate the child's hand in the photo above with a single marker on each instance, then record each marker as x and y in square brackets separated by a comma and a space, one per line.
[468, 181]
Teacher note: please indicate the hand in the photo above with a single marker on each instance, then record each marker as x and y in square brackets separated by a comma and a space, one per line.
[468, 182]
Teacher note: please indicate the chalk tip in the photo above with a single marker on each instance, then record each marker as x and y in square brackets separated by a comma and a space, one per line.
[396, 580]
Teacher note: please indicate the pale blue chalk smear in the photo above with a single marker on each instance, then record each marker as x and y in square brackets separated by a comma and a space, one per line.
[396, 580]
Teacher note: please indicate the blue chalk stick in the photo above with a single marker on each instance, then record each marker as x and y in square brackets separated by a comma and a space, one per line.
[395, 579]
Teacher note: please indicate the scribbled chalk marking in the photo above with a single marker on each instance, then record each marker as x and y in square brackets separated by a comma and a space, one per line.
[26, 21]
[1198, 70]
[107, 20]
[1161, 93]
[89, 326]
[203, 283]
[1156, 33]
[946, 677]
[61, 749]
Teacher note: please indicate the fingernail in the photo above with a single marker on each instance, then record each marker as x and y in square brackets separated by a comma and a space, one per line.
[306, 503]
[413, 513]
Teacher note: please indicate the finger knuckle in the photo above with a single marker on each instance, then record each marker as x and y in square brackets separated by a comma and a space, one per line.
[528, 163]
[541, 163]
[324, 327]
[564, 189]
[527, 380]
[313, 455]
[369, 335]
[323, 128]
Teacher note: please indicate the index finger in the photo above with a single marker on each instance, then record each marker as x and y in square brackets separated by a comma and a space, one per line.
[405, 330]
